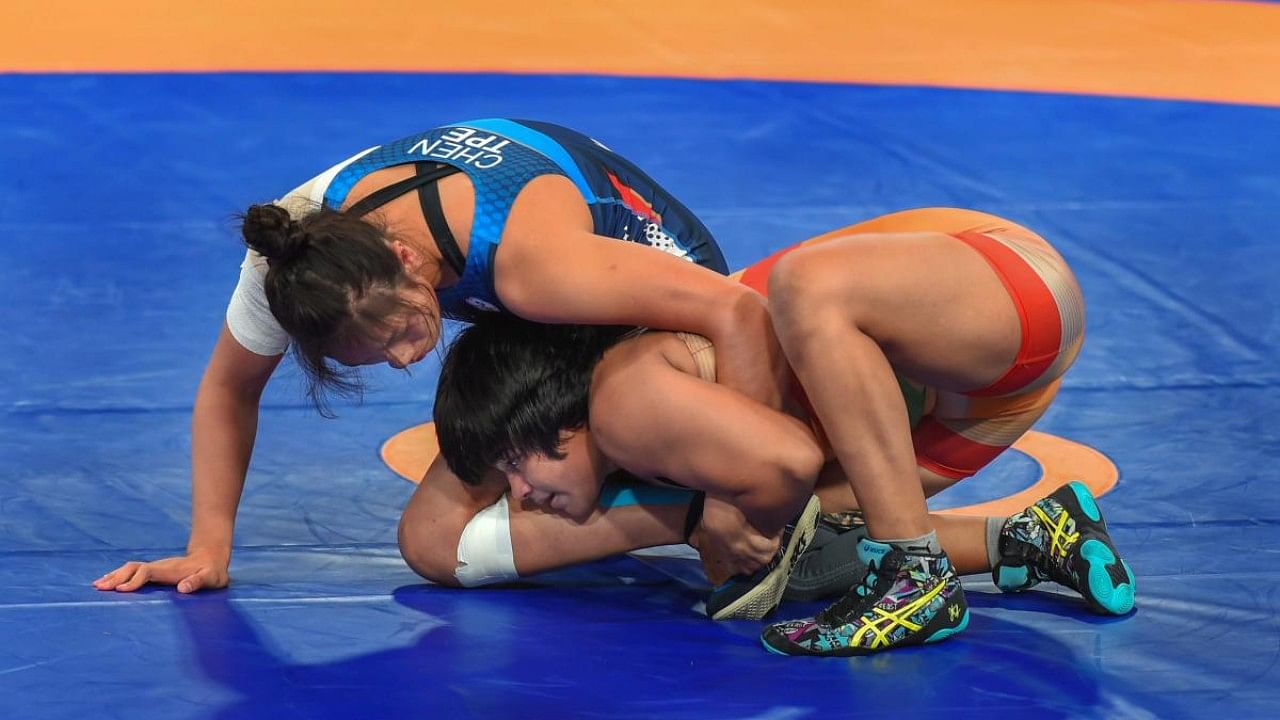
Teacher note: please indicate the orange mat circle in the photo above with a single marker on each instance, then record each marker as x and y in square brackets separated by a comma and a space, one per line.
[410, 452]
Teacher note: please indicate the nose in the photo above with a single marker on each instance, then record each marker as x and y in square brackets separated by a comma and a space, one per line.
[519, 488]
[399, 356]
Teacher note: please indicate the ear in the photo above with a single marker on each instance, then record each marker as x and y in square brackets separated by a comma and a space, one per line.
[408, 256]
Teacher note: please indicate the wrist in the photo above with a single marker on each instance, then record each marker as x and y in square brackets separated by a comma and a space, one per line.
[740, 308]
[215, 552]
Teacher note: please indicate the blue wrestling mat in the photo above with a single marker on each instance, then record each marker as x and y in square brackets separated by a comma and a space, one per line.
[119, 254]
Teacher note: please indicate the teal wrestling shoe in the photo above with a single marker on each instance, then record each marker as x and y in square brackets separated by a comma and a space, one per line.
[752, 597]
[904, 599]
[1063, 538]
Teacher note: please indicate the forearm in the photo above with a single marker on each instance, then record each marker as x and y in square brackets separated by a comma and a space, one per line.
[223, 428]
[618, 283]
[749, 358]
[443, 511]
[544, 541]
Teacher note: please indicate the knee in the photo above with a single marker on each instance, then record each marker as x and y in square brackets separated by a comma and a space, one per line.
[802, 463]
[804, 289]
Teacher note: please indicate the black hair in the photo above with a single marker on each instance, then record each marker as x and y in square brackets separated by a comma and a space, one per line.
[332, 279]
[509, 387]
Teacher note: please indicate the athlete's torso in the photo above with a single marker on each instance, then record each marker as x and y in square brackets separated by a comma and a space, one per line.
[501, 157]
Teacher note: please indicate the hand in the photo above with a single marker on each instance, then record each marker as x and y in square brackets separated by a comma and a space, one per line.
[197, 570]
[728, 544]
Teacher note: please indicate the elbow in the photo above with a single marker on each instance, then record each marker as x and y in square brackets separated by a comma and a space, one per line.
[737, 307]
[799, 467]
[787, 481]
[421, 551]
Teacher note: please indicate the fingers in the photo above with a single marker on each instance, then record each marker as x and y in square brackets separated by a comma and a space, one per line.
[195, 581]
[141, 575]
[746, 566]
[115, 578]
[189, 574]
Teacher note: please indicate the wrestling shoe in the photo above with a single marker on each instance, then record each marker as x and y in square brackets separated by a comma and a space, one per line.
[1063, 538]
[904, 599]
[830, 565]
[751, 597]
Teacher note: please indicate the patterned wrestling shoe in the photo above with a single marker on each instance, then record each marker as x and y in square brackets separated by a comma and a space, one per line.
[1063, 538]
[751, 597]
[905, 599]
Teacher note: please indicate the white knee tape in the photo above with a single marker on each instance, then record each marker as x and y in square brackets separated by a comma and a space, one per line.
[484, 551]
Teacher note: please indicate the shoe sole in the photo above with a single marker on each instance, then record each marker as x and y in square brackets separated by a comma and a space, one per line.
[765, 597]
[1109, 583]
[1109, 579]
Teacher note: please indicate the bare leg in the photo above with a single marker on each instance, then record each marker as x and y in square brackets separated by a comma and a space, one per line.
[963, 537]
[849, 310]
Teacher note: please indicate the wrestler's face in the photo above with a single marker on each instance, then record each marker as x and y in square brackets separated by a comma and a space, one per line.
[570, 485]
[404, 338]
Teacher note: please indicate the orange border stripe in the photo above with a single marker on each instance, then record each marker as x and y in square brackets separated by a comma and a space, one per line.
[1180, 49]
[410, 452]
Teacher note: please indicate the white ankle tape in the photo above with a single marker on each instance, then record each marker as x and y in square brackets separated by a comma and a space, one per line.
[484, 550]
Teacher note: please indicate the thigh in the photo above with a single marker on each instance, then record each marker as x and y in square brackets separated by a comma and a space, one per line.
[933, 305]
[961, 300]
[964, 434]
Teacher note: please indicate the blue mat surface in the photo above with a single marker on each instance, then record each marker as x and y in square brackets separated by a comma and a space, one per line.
[119, 255]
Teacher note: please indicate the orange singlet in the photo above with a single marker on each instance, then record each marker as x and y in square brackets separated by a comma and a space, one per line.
[965, 431]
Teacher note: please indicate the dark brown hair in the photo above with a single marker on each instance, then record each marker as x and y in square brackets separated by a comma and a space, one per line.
[509, 388]
[332, 280]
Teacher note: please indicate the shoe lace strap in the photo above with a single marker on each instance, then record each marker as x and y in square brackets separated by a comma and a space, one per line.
[852, 599]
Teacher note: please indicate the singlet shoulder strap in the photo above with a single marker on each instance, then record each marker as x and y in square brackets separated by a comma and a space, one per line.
[429, 198]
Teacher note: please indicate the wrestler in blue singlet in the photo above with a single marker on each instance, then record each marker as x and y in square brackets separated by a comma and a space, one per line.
[501, 157]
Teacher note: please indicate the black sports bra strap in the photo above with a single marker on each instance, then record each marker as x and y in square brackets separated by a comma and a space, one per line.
[424, 181]
[429, 198]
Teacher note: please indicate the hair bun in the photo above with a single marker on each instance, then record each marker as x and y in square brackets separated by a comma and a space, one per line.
[269, 231]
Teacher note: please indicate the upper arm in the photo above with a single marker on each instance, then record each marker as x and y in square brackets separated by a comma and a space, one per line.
[236, 369]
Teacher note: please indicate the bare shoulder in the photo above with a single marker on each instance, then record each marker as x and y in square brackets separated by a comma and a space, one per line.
[547, 202]
[631, 374]
[654, 351]
[623, 386]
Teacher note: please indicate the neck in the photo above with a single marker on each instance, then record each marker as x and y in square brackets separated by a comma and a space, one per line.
[433, 270]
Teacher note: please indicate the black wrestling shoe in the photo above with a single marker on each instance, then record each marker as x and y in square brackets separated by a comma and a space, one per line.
[830, 565]
[1063, 538]
[751, 597]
